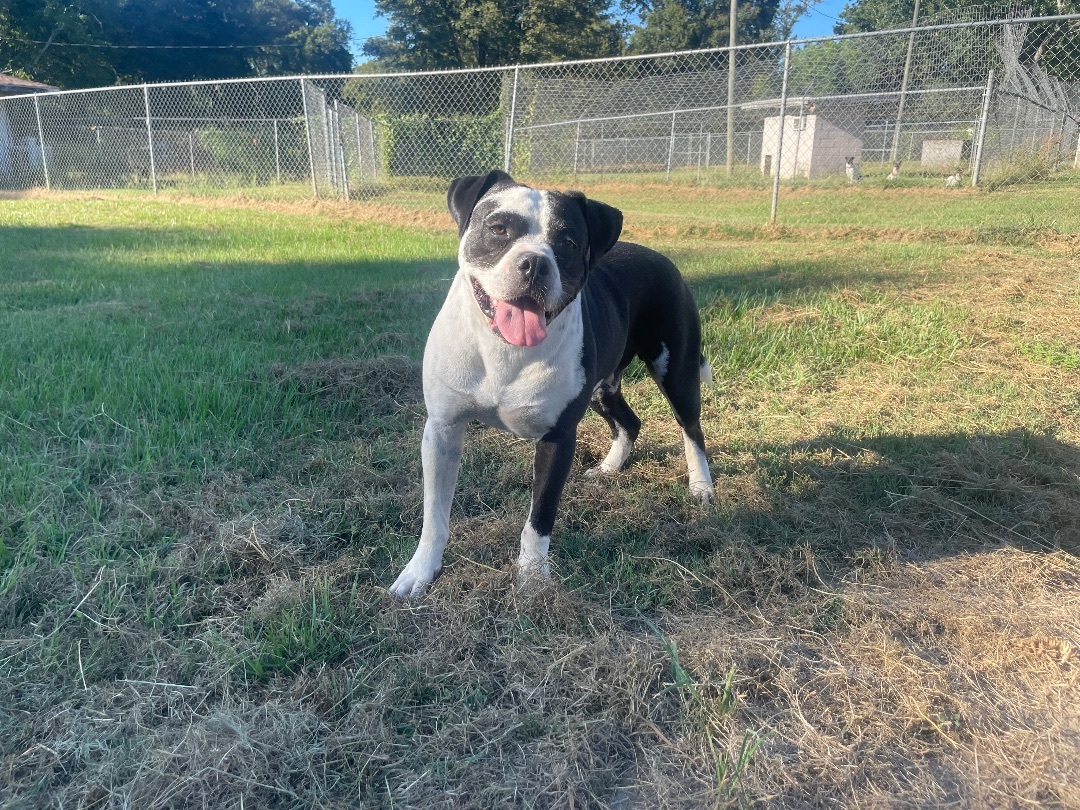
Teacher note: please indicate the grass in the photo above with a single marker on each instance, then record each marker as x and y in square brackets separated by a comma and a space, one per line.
[210, 416]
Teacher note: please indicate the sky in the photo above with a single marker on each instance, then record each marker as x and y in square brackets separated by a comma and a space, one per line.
[365, 24]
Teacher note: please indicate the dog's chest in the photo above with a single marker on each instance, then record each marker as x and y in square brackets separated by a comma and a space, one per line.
[528, 401]
[469, 374]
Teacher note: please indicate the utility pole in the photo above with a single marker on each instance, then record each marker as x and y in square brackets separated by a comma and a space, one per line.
[904, 86]
[732, 19]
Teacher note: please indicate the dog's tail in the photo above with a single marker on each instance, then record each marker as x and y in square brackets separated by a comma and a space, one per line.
[705, 371]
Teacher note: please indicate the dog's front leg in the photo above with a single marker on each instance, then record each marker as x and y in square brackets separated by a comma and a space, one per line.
[551, 466]
[440, 454]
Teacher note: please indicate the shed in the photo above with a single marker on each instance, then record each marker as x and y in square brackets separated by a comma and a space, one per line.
[944, 153]
[814, 146]
[14, 86]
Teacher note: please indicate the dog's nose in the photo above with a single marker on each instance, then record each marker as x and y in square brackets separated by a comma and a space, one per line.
[530, 266]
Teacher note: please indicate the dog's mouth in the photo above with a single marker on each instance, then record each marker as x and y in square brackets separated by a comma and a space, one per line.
[520, 322]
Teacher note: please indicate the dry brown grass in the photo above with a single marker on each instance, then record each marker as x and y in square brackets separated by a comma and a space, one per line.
[948, 682]
[942, 683]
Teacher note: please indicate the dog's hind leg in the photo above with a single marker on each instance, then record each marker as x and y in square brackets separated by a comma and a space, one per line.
[609, 403]
[680, 380]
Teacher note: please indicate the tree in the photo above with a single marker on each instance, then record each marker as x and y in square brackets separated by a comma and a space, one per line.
[1056, 45]
[301, 35]
[677, 25]
[435, 34]
[787, 16]
[29, 29]
[882, 15]
[84, 43]
[569, 30]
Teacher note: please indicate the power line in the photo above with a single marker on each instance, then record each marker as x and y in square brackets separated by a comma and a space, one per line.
[146, 47]
[818, 11]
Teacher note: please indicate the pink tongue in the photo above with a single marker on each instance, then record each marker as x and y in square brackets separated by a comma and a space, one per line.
[522, 321]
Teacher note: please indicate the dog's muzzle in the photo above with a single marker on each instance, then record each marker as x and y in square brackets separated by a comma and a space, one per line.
[520, 321]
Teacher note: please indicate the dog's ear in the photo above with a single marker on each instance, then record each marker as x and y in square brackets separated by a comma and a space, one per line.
[605, 225]
[464, 193]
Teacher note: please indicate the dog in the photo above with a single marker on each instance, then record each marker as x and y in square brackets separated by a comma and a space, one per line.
[544, 314]
[852, 171]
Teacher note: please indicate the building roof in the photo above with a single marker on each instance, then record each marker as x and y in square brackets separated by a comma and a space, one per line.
[14, 86]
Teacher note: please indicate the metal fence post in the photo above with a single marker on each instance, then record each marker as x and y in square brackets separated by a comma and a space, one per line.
[359, 152]
[671, 148]
[41, 144]
[779, 162]
[335, 146]
[374, 162]
[150, 137]
[307, 133]
[339, 149]
[577, 141]
[699, 149]
[732, 27]
[982, 129]
[277, 152]
[328, 157]
[510, 129]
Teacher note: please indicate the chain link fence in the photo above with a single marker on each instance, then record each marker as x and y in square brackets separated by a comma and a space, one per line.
[972, 102]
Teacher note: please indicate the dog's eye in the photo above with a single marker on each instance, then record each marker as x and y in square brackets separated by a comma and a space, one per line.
[570, 243]
[498, 229]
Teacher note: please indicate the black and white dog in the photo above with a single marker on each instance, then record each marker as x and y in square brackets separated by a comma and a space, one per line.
[546, 311]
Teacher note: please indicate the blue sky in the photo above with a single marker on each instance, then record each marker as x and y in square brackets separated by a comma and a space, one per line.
[361, 13]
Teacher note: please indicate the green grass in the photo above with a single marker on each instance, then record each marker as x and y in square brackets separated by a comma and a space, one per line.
[142, 348]
[1052, 354]
[210, 418]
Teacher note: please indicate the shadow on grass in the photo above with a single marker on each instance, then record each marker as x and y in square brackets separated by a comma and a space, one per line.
[793, 280]
[42, 266]
[816, 510]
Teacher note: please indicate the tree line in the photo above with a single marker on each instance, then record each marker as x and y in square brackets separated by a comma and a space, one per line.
[427, 34]
[86, 43]
[91, 43]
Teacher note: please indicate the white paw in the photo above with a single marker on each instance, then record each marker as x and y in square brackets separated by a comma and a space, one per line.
[532, 569]
[415, 578]
[598, 471]
[703, 494]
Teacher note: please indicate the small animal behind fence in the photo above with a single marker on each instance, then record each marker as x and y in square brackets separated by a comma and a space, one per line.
[852, 171]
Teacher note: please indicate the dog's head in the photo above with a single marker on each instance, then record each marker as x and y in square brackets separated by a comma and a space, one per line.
[526, 252]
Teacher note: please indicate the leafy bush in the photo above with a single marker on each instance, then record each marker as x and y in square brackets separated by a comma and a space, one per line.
[1030, 168]
[250, 152]
[444, 146]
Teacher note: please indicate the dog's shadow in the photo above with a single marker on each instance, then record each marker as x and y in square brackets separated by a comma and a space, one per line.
[831, 503]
